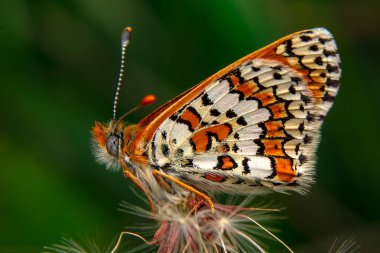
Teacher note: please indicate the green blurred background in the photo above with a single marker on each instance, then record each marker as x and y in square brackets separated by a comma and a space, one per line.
[59, 65]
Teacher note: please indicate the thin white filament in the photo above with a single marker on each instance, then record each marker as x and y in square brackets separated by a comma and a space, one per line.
[266, 230]
[221, 240]
[250, 240]
[117, 245]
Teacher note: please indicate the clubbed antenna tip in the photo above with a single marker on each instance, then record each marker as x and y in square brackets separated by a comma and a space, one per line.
[126, 35]
[147, 100]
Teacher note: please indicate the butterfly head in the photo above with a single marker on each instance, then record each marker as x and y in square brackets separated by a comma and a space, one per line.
[108, 142]
[109, 139]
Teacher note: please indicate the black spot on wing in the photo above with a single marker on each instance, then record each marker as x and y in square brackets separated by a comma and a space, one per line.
[332, 69]
[323, 41]
[307, 139]
[295, 79]
[292, 89]
[297, 149]
[246, 168]
[318, 61]
[328, 98]
[277, 76]
[289, 47]
[313, 48]
[305, 38]
[302, 159]
[255, 69]
[235, 148]
[231, 114]
[206, 100]
[310, 117]
[301, 127]
[214, 112]
[328, 53]
[241, 121]
[332, 83]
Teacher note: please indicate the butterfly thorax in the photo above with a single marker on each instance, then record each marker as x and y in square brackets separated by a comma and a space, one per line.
[132, 153]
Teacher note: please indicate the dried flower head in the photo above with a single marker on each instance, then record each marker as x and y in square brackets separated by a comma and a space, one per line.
[197, 228]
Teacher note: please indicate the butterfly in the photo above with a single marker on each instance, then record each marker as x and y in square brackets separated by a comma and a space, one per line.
[252, 127]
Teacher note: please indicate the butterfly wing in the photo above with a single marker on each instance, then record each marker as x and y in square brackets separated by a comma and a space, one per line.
[254, 124]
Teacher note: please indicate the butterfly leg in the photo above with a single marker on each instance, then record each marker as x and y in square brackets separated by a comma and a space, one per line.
[186, 186]
[135, 180]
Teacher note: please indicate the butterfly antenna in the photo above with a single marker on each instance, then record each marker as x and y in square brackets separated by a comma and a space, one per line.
[125, 37]
[147, 100]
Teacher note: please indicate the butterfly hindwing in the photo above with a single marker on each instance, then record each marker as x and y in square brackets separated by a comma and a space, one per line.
[257, 124]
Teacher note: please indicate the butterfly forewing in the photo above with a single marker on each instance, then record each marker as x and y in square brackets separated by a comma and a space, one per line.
[253, 125]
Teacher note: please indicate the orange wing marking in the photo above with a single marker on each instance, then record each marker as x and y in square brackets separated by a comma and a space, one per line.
[202, 139]
[248, 88]
[284, 169]
[226, 163]
[273, 147]
[275, 129]
[191, 116]
[234, 80]
[278, 111]
[266, 97]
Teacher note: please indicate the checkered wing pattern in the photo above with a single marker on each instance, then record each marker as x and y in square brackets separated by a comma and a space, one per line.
[255, 124]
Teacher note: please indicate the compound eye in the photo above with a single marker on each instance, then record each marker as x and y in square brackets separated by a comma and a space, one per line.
[113, 145]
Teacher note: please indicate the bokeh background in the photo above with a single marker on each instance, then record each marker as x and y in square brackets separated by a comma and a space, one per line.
[59, 62]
